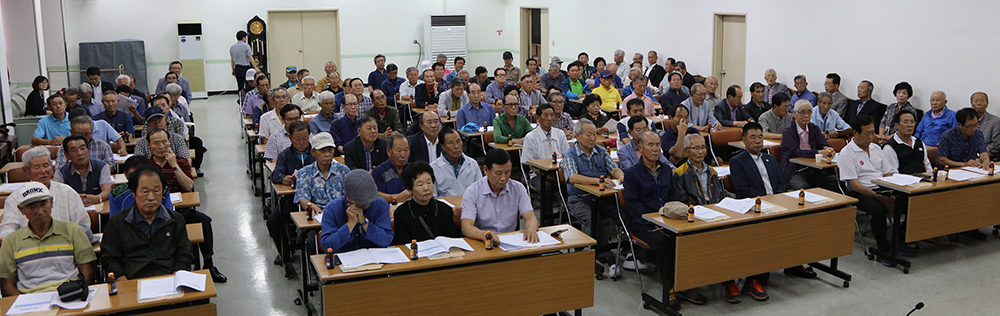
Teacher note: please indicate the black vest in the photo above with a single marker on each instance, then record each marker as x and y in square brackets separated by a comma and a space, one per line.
[911, 160]
[93, 178]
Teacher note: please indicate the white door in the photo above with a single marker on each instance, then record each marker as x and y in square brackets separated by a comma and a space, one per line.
[730, 51]
[321, 41]
[284, 43]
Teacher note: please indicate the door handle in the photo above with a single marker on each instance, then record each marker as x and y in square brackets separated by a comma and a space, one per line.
[301, 51]
[721, 72]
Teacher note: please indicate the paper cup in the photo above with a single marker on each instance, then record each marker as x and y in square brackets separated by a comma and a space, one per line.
[819, 158]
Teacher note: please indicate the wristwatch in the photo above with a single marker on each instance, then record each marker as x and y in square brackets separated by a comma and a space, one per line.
[365, 222]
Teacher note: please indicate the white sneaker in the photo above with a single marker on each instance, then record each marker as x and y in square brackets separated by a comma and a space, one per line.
[632, 264]
[613, 271]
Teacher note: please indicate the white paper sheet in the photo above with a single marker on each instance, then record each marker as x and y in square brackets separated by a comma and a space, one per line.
[741, 206]
[976, 170]
[118, 157]
[722, 171]
[810, 197]
[151, 289]
[706, 214]
[357, 258]
[10, 187]
[175, 197]
[511, 242]
[768, 143]
[962, 175]
[446, 203]
[389, 255]
[44, 301]
[92, 207]
[612, 126]
[901, 179]
[614, 154]
[617, 185]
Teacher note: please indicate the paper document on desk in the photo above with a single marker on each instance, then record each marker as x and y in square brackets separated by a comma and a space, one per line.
[171, 285]
[362, 257]
[118, 157]
[976, 170]
[40, 302]
[176, 197]
[440, 245]
[810, 197]
[722, 171]
[93, 207]
[617, 185]
[611, 125]
[741, 206]
[901, 179]
[447, 203]
[962, 175]
[768, 143]
[515, 241]
[707, 214]
[614, 154]
[10, 187]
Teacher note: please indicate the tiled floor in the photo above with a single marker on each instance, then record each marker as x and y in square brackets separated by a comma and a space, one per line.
[956, 280]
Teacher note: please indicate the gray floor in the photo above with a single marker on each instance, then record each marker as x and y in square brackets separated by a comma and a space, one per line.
[955, 280]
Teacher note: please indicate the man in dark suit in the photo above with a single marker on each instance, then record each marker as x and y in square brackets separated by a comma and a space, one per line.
[802, 139]
[94, 75]
[730, 112]
[773, 87]
[864, 105]
[688, 78]
[367, 150]
[750, 182]
[426, 145]
[655, 72]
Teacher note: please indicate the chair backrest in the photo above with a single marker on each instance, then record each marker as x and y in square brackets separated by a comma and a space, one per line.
[95, 221]
[775, 151]
[837, 143]
[932, 155]
[488, 138]
[53, 151]
[727, 182]
[723, 137]
[17, 175]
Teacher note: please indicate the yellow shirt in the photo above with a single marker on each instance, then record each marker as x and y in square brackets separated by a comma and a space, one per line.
[610, 98]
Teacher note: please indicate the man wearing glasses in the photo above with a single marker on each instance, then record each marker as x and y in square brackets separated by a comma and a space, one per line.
[802, 139]
[510, 124]
[964, 146]
[494, 92]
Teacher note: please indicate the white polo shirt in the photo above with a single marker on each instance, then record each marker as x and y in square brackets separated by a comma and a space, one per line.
[856, 164]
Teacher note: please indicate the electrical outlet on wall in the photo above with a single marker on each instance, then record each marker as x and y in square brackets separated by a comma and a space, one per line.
[553, 43]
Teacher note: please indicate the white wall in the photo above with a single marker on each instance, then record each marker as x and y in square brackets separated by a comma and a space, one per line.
[933, 45]
[4, 88]
[19, 31]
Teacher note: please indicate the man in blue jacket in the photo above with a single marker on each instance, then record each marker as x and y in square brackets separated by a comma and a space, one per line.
[359, 219]
[575, 88]
[649, 185]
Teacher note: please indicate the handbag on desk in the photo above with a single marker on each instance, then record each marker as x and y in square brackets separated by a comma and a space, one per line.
[73, 290]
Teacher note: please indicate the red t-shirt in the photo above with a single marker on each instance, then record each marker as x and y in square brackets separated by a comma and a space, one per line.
[168, 173]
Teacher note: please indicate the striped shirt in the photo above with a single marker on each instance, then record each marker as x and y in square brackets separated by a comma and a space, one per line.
[43, 263]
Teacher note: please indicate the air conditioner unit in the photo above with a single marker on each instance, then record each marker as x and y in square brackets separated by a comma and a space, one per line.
[449, 36]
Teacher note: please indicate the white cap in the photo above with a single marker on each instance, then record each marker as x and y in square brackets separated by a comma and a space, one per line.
[32, 192]
[250, 74]
[322, 140]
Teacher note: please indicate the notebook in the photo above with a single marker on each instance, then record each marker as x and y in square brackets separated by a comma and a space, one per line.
[44, 301]
[440, 245]
[515, 241]
[362, 257]
[170, 286]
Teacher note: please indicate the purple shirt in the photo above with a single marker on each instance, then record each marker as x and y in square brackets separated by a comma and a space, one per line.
[492, 212]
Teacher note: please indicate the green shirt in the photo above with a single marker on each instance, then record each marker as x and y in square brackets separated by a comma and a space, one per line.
[43, 263]
[576, 87]
[502, 128]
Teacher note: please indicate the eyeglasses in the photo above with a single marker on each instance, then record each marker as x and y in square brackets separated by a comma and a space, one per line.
[512, 104]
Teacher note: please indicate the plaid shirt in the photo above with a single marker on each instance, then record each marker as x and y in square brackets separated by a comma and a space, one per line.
[318, 188]
[276, 143]
[364, 104]
[565, 122]
[98, 151]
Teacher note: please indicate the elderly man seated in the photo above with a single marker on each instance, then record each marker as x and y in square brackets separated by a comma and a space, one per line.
[46, 253]
[66, 202]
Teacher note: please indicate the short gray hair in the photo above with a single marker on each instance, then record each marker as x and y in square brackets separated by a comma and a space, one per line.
[802, 103]
[619, 53]
[81, 120]
[636, 69]
[309, 78]
[553, 94]
[797, 77]
[463, 71]
[409, 69]
[275, 90]
[691, 137]
[825, 94]
[86, 88]
[395, 138]
[326, 95]
[330, 62]
[640, 77]
[694, 88]
[35, 153]
[770, 71]
[173, 89]
[123, 76]
[578, 128]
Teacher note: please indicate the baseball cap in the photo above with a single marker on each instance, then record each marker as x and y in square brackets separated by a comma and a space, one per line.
[32, 192]
[322, 140]
[606, 74]
[250, 74]
[360, 187]
[508, 55]
[291, 68]
[555, 59]
[153, 111]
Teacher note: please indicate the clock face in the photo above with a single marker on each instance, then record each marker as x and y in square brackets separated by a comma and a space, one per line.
[256, 27]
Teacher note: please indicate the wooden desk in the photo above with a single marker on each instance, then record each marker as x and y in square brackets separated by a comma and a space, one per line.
[559, 282]
[247, 122]
[418, 110]
[595, 190]
[706, 251]
[259, 149]
[811, 163]
[126, 300]
[767, 144]
[11, 166]
[942, 208]
[506, 148]
[131, 142]
[339, 159]
[195, 234]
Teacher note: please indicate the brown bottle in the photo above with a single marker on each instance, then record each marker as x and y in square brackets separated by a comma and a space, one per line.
[555, 159]
[489, 240]
[756, 208]
[691, 213]
[413, 250]
[309, 212]
[802, 197]
[602, 185]
[329, 258]
[112, 284]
